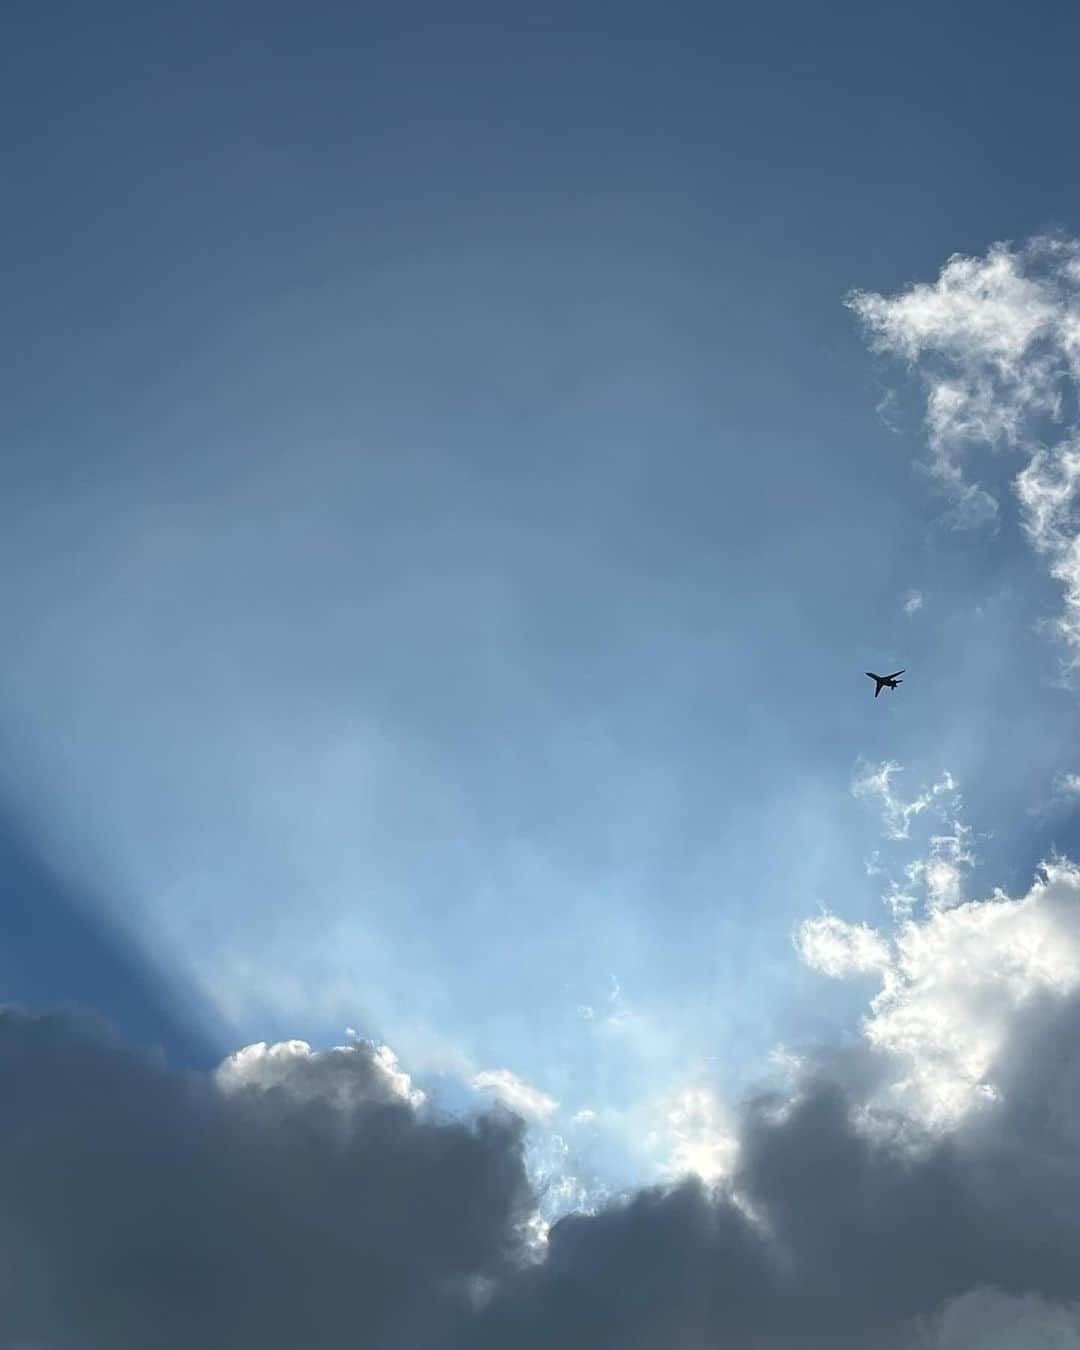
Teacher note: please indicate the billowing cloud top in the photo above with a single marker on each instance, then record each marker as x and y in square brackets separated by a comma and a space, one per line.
[515, 1093]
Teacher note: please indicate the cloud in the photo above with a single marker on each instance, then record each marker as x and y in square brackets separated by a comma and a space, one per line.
[845, 1221]
[996, 343]
[936, 879]
[347, 1075]
[837, 949]
[296, 1196]
[515, 1093]
[897, 814]
[1049, 493]
[1067, 787]
[913, 602]
[989, 1320]
[953, 983]
[292, 1198]
[700, 1136]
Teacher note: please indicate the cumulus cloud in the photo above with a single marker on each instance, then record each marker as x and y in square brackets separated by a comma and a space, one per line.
[348, 1075]
[954, 974]
[290, 1199]
[996, 343]
[837, 948]
[298, 1197]
[953, 984]
[515, 1093]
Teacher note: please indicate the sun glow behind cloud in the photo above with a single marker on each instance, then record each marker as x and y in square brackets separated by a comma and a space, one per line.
[962, 990]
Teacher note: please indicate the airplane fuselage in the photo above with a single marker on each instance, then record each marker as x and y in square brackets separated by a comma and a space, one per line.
[885, 681]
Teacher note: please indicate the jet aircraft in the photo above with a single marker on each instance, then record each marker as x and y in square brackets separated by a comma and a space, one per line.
[885, 681]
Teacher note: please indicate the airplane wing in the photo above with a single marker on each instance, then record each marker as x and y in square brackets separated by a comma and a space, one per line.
[894, 675]
[877, 691]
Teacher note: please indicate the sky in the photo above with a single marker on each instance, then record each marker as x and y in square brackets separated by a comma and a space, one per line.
[457, 469]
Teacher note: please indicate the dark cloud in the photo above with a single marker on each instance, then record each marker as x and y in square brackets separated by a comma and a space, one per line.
[307, 1200]
[148, 1208]
[842, 1234]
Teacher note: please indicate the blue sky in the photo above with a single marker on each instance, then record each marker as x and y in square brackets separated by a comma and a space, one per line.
[449, 508]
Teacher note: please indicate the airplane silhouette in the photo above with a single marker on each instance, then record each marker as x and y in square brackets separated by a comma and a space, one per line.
[885, 681]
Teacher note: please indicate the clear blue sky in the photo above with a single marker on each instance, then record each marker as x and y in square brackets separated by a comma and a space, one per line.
[446, 517]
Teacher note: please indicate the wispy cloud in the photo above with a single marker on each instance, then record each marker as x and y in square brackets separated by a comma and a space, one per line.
[937, 877]
[1049, 492]
[913, 602]
[897, 814]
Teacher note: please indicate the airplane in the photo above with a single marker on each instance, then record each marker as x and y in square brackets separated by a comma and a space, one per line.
[885, 681]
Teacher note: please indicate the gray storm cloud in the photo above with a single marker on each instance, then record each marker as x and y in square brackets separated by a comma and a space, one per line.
[294, 1198]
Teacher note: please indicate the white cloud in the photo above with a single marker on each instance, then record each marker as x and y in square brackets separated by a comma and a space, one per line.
[981, 333]
[996, 341]
[347, 1073]
[897, 814]
[837, 948]
[1049, 494]
[937, 878]
[1067, 786]
[953, 983]
[515, 1093]
[913, 602]
[940, 873]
